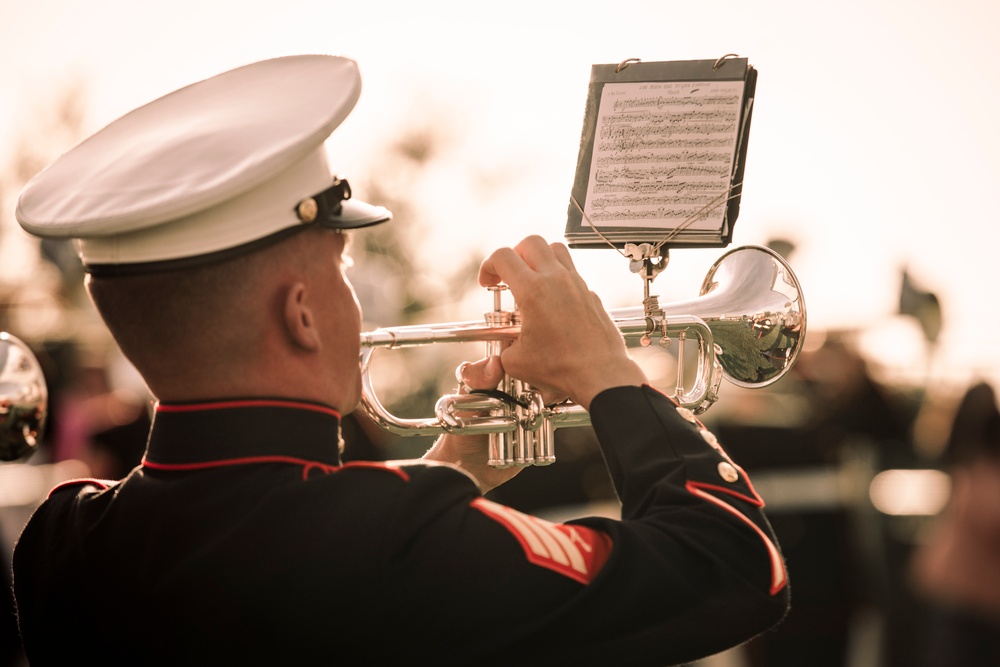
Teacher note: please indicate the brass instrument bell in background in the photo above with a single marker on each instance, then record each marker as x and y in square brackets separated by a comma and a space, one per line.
[23, 400]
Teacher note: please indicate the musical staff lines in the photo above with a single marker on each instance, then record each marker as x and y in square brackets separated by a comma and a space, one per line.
[663, 152]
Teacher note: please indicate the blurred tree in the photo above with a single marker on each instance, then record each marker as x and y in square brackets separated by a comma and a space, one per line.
[402, 278]
[27, 295]
[53, 129]
[401, 185]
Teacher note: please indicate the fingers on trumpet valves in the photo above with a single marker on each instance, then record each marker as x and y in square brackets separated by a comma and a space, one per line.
[463, 386]
[478, 375]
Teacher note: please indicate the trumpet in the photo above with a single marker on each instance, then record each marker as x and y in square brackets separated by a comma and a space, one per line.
[749, 322]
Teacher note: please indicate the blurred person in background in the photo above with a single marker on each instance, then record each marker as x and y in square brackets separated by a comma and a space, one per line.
[848, 604]
[216, 243]
[957, 569]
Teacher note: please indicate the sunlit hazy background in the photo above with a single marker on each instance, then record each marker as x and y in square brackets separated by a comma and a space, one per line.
[873, 152]
[873, 149]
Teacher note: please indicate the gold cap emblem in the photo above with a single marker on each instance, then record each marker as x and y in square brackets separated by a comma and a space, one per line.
[307, 210]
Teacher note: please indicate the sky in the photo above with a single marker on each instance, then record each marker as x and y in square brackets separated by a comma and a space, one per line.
[874, 144]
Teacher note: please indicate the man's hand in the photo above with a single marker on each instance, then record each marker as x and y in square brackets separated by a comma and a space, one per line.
[568, 344]
[471, 452]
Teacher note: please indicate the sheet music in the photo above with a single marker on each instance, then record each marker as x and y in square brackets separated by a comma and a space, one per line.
[664, 151]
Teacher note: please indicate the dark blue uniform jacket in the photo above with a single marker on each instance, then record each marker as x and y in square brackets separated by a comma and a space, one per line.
[243, 540]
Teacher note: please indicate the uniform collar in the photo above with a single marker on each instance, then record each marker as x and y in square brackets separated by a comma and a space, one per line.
[221, 431]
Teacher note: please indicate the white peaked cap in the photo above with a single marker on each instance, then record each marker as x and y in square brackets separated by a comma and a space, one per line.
[211, 169]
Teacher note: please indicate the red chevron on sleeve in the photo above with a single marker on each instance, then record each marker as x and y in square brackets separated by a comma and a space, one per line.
[577, 552]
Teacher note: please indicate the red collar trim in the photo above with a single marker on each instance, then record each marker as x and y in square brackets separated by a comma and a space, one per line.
[229, 462]
[307, 466]
[245, 403]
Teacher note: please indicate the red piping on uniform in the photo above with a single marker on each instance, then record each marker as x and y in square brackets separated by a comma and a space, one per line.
[101, 483]
[245, 403]
[229, 462]
[779, 577]
[755, 499]
[307, 466]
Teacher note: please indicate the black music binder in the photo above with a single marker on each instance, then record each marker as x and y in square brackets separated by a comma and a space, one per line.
[662, 153]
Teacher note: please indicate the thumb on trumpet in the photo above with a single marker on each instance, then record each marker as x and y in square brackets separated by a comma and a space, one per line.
[482, 374]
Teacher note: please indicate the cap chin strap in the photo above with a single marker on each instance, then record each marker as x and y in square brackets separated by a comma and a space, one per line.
[326, 205]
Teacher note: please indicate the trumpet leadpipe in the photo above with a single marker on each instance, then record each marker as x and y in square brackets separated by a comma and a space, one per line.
[631, 322]
[455, 332]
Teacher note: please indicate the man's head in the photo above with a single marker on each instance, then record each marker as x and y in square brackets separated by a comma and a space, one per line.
[208, 212]
[278, 321]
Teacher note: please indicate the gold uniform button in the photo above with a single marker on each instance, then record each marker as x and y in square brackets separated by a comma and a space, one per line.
[710, 438]
[728, 472]
[687, 414]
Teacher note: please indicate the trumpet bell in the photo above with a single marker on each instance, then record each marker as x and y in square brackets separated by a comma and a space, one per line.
[757, 314]
[749, 319]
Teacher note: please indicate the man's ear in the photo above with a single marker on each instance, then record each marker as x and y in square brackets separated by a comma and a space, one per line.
[300, 323]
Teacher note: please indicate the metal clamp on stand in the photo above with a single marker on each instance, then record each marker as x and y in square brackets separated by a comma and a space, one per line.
[649, 261]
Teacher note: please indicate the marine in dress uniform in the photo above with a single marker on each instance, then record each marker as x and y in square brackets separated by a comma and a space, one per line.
[242, 538]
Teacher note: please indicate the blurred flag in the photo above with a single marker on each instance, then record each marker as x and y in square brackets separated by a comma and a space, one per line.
[922, 305]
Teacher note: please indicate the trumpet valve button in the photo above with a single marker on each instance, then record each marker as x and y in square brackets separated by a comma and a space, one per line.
[499, 318]
[497, 289]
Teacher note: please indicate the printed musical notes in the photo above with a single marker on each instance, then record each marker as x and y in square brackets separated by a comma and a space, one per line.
[662, 154]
